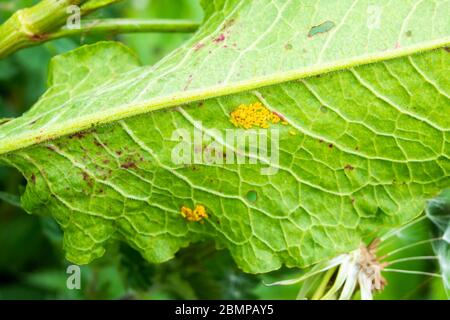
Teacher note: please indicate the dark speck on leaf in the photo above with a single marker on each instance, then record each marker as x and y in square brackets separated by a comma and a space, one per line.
[447, 49]
[409, 33]
[86, 178]
[78, 135]
[349, 167]
[330, 145]
[98, 144]
[128, 165]
[219, 38]
[33, 178]
[38, 37]
[323, 109]
[288, 46]
[321, 28]
[118, 152]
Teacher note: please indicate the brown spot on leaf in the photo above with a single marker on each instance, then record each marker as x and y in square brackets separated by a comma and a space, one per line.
[78, 135]
[128, 165]
[87, 178]
[349, 167]
[219, 38]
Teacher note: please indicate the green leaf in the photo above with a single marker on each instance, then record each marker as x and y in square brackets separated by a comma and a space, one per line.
[364, 148]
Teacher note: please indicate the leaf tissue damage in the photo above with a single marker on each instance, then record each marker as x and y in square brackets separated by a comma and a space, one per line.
[321, 28]
[359, 150]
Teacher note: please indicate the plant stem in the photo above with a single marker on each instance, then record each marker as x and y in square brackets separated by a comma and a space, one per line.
[127, 26]
[30, 26]
[323, 284]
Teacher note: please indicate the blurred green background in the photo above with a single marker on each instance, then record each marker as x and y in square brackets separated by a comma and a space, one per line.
[32, 265]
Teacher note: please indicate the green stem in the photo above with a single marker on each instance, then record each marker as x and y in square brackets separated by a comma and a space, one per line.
[31, 26]
[323, 284]
[109, 26]
[127, 26]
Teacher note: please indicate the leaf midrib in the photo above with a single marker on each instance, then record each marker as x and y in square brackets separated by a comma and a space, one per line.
[15, 143]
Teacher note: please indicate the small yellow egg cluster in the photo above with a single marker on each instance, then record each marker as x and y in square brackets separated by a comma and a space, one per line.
[194, 215]
[254, 115]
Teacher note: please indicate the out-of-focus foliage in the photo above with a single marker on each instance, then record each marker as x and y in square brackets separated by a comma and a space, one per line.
[31, 258]
[439, 213]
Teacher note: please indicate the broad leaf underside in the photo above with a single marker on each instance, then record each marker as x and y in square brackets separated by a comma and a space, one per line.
[364, 148]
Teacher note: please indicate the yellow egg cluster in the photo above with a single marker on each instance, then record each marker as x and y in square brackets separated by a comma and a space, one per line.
[254, 115]
[194, 215]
